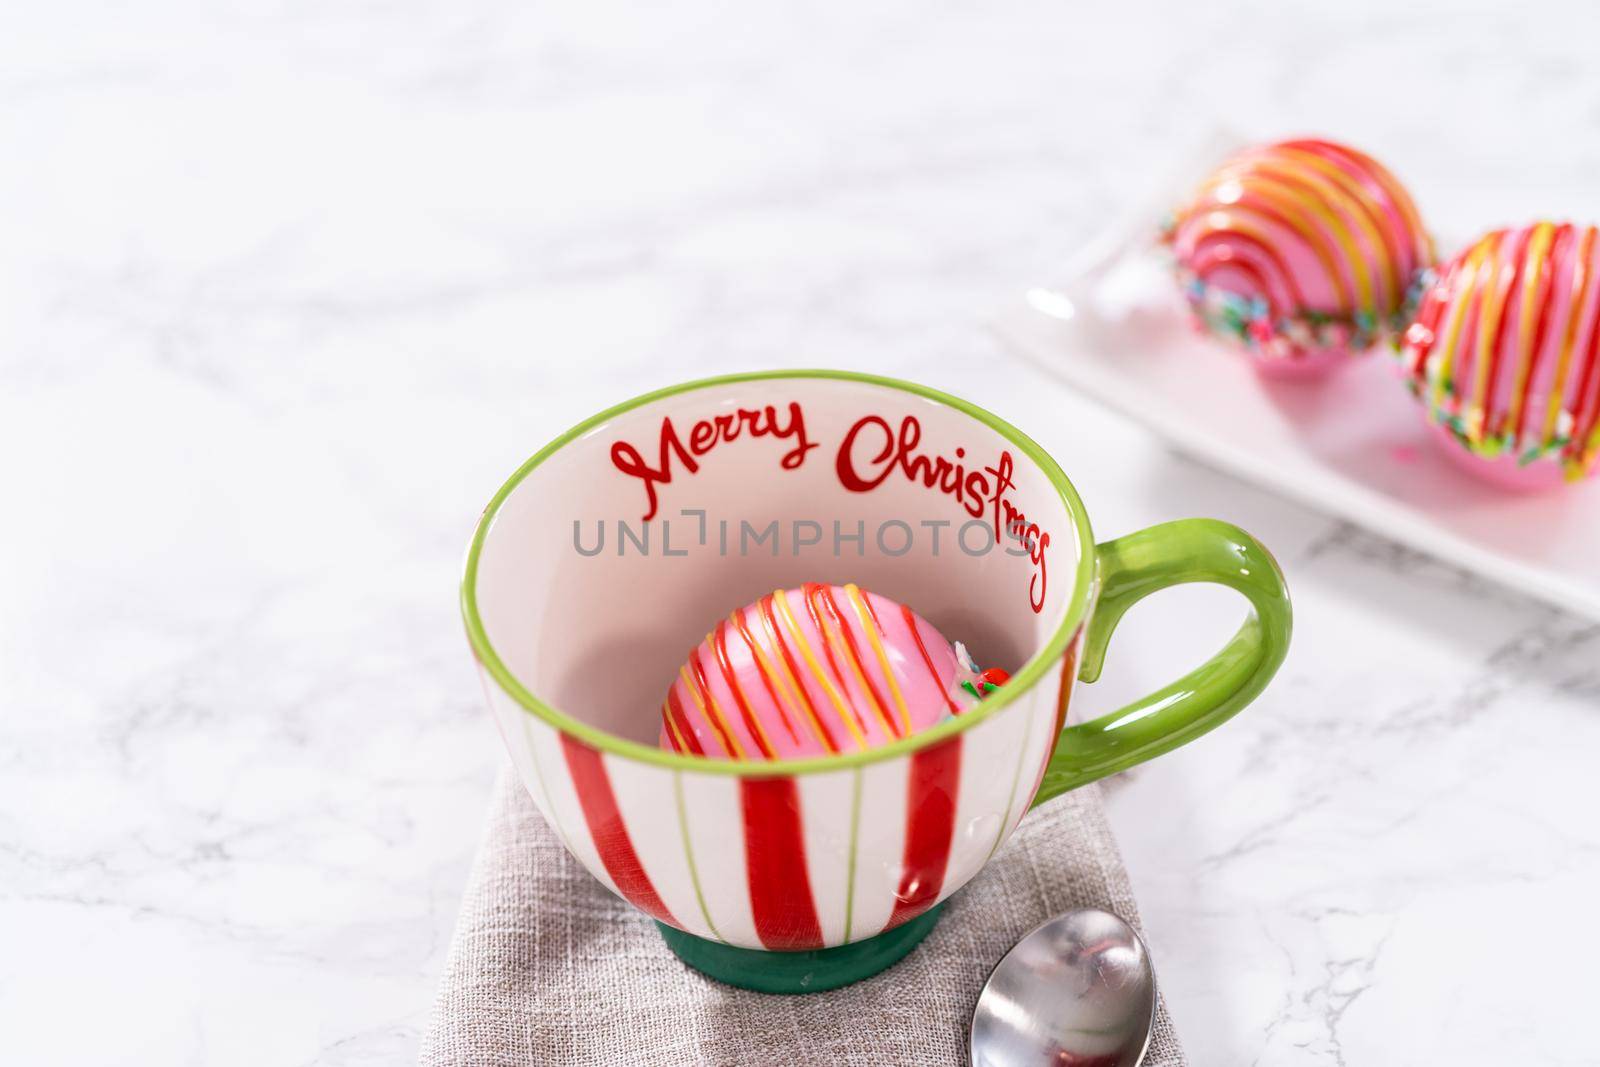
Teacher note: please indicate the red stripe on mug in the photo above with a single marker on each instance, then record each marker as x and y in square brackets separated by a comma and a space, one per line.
[1069, 672]
[610, 833]
[775, 863]
[931, 789]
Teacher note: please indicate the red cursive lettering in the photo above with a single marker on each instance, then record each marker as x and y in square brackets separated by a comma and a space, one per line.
[872, 450]
[705, 435]
[897, 450]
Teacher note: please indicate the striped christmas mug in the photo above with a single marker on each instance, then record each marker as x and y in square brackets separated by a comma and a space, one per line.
[603, 560]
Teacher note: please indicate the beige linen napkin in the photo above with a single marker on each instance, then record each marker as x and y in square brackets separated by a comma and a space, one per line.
[547, 967]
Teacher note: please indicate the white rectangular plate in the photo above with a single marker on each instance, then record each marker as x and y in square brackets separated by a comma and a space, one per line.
[1353, 444]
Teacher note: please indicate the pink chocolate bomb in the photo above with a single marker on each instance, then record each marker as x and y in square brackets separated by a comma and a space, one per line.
[1505, 355]
[815, 671]
[1302, 253]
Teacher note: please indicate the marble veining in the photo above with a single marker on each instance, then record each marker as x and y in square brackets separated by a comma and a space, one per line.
[290, 287]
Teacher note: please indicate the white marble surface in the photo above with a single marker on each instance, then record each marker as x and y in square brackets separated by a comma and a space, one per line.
[288, 287]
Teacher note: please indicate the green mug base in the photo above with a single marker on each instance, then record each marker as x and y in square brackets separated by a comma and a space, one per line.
[799, 972]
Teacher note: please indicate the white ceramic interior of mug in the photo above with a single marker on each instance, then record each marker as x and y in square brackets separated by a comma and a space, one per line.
[600, 634]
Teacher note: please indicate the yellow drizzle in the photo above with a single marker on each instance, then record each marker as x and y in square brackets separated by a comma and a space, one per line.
[816, 668]
[1291, 183]
[877, 648]
[1401, 199]
[1372, 213]
[1538, 252]
[1466, 278]
[777, 682]
[1580, 308]
[843, 649]
[1312, 235]
[1491, 309]
[694, 692]
[672, 728]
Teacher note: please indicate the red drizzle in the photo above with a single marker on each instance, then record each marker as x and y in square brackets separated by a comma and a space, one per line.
[1326, 254]
[911, 621]
[825, 594]
[1583, 422]
[719, 644]
[1547, 277]
[1580, 284]
[1509, 290]
[1217, 249]
[766, 683]
[715, 720]
[681, 721]
[1424, 332]
[794, 671]
[827, 648]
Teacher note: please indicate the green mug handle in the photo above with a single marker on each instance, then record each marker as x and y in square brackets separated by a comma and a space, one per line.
[1129, 569]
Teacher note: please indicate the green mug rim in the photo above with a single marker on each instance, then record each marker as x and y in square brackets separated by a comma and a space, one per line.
[1021, 681]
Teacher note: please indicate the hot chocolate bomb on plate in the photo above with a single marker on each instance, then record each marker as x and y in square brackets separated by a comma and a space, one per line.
[1302, 253]
[816, 671]
[1505, 355]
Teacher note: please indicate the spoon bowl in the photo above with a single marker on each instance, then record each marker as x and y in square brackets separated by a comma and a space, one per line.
[1077, 991]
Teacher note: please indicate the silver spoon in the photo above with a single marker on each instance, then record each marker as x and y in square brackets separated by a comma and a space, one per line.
[1076, 992]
